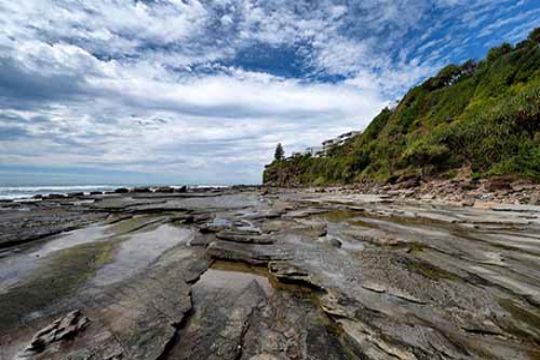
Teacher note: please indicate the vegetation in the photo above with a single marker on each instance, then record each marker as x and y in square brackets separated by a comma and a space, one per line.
[279, 154]
[484, 115]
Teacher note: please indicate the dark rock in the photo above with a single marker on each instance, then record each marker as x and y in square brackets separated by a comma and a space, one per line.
[292, 274]
[61, 329]
[121, 190]
[243, 237]
[406, 181]
[143, 189]
[499, 183]
[335, 242]
[409, 183]
[75, 194]
[56, 196]
[393, 179]
[181, 189]
[470, 185]
[164, 189]
[248, 253]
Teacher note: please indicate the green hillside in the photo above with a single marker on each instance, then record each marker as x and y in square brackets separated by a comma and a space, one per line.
[484, 115]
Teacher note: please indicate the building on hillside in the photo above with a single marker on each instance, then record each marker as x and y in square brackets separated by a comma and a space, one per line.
[313, 150]
[327, 145]
[319, 151]
[340, 140]
[346, 136]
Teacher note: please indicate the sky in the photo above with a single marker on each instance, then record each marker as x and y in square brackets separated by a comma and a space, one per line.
[200, 92]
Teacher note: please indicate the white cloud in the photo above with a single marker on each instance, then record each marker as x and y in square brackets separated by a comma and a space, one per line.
[155, 86]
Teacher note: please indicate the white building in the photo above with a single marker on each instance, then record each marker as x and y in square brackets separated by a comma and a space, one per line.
[340, 140]
[313, 150]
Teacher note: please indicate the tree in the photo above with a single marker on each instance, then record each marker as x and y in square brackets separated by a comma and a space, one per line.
[279, 154]
[535, 35]
[497, 52]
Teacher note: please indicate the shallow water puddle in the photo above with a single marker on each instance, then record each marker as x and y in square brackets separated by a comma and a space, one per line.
[348, 246]
[57, 276]
[219, 221]
[72, 238]
[133, 223]
[17, 267]
[233, 276]
[340, 215]
[223, 299]
[140, 250]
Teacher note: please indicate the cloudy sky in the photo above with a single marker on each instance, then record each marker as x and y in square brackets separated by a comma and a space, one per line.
[186, 91]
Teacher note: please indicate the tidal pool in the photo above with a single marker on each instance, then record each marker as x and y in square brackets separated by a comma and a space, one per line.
[18, 267]
[139, 250]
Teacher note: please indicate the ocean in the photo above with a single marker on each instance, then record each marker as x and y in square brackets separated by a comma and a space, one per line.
[22, 192]
[19, 192]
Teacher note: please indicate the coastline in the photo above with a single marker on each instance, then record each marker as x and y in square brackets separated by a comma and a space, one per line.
[450, 192]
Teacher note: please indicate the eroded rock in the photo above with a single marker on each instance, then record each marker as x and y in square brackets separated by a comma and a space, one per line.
[244, 237]
[61, 329]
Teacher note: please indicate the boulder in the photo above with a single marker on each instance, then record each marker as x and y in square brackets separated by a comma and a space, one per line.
[534, 199]
[181, 189]
[499, 183]
[165, 189]
[75, 194]
[292, 274]
[61, 329]
[142, 189]
[409, 183]
[56, 196]
[335, 242]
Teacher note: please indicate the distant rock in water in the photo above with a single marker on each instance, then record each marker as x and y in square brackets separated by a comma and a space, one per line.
[121, 190]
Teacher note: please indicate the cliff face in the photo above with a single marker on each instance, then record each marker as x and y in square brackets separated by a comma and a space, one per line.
[484, 116]
[286, 176]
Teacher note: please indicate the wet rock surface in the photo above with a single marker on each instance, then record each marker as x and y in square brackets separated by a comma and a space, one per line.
[248, 274]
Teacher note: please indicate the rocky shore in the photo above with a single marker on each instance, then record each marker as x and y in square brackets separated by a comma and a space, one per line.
[460, 192]
[409, 271]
